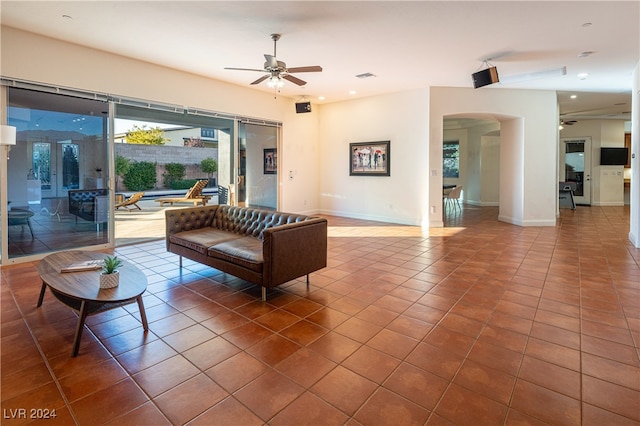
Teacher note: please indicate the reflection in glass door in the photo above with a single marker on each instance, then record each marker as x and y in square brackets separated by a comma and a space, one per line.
[576, 156]
[69, 168]
[41, 167]
[61, 143]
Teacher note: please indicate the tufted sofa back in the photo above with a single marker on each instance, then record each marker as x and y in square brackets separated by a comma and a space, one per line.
[250, 221]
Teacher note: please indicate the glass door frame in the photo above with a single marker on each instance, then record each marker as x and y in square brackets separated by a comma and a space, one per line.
[4, 153]
[107, 138]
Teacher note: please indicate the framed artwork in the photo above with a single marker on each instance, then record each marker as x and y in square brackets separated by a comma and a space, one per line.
[369, 158]
[270, 161]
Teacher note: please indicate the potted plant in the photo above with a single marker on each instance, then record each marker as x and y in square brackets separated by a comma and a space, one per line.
[109, 277]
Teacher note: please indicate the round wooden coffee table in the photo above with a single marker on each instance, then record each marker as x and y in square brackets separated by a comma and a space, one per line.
[81, 290]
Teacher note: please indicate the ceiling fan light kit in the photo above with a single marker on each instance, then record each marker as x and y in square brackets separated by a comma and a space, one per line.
[277, 71]
[275, 82]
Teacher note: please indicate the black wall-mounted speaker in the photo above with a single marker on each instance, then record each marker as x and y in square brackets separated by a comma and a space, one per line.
[485, 77]
[303, 107]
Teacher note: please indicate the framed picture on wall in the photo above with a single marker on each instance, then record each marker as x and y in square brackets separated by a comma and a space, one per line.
[369, 158]
[270, 161]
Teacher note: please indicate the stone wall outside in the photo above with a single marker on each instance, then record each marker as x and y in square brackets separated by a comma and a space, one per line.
[189, 156]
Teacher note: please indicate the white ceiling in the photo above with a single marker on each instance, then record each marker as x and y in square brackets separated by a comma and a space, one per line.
[406, 45]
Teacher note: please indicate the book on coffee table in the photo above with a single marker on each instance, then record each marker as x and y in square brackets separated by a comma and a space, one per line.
[87, 265]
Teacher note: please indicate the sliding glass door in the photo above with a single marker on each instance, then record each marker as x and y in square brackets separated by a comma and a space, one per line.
[258, 168]
[77, 153]
[60, 152]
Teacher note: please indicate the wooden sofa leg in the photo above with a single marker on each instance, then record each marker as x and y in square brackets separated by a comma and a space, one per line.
[264, 294]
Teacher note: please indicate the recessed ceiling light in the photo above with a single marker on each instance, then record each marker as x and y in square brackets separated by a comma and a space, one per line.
[322, 98]
[574, 96]
[352, 92]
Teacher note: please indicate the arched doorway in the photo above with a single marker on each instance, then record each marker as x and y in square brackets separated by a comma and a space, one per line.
[471, 161]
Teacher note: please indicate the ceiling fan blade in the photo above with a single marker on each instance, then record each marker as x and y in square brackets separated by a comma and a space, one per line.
[312, 68]
[261, 79]
[293, 79]
[245, 69]
[517, 78]
[272, 62]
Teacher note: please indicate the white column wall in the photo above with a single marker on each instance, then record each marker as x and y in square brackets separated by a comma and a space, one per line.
[512, 166]
[490, 171]
[634, 232]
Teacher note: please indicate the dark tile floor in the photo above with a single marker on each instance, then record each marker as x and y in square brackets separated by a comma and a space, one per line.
[478, 323]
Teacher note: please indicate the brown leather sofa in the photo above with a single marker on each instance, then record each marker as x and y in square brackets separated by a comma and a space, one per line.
[266, 248]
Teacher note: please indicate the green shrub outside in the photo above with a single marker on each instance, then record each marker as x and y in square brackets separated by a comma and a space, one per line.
[140, 176]
[209, 165]
[183, 183]
[174, 172]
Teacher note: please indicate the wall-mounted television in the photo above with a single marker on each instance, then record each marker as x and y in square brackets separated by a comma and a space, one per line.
[614, 156]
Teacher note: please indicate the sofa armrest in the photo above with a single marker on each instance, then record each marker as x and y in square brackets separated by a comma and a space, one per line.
[293, 250]
[187, 219]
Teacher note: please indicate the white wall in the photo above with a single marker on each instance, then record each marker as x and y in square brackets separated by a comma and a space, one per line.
[528, 193]
[23, 55]
[401, 118]
[490, 171]
[634, 232]
[298, 181]
[484, 165]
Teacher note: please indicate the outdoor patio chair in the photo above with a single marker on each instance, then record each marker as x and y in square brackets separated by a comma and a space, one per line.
[131, 201]
[194, 195]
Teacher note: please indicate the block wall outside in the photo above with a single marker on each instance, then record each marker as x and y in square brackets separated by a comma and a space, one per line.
[190, 157]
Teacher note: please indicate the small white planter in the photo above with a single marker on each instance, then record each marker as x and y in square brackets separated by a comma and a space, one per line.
[109, 280]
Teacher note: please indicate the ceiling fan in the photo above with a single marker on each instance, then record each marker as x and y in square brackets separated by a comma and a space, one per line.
[276, 70]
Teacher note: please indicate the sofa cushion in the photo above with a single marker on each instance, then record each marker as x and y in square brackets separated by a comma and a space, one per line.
[201, 239]
[244, 251]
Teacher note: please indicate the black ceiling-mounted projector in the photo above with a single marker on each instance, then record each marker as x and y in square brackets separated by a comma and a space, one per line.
[303, 107]
[485, 77]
